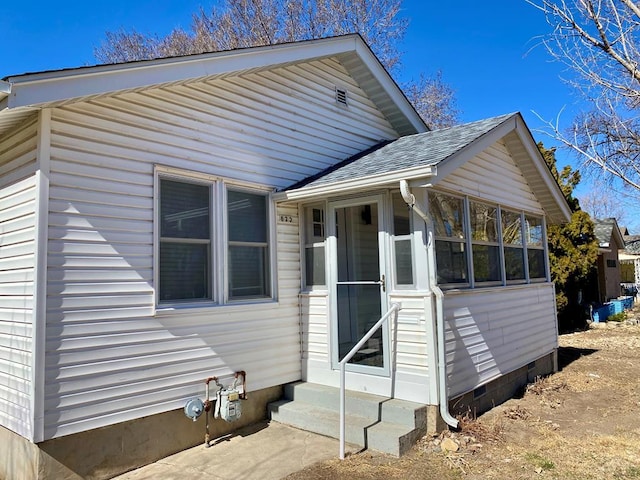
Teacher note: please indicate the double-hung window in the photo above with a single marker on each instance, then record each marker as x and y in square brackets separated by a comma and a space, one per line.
[314, 246]
[535, 238]
[248, 245]
[197, 262]
[485, 242]
[513, 246]
[402, 244]
[451, 252]
[185, 241]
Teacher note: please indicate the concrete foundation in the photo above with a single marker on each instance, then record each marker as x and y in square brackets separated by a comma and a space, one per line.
[502, 389]
[109, 451]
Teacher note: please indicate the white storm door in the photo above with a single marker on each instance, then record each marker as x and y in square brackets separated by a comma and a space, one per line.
[358, 283]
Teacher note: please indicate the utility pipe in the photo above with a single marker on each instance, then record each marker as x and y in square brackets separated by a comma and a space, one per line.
[443, 401]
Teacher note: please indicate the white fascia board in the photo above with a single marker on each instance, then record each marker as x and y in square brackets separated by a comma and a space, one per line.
[534, 153]
[347, 186]
[47, 87]
[390, 86]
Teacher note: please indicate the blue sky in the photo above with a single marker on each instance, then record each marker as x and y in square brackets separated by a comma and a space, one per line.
[488, 52]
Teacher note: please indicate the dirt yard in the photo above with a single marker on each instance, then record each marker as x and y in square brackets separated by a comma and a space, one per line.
[580, 423]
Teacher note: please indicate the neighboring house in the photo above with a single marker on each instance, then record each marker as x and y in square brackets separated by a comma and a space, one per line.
[166, 221]
[630, 261]
[610, 241]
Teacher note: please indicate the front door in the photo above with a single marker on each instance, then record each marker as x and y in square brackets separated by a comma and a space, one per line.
[358, 287]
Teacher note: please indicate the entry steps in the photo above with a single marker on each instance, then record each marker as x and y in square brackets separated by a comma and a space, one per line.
[371, 421]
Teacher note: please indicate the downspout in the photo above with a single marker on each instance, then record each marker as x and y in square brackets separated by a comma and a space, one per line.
[443, 401]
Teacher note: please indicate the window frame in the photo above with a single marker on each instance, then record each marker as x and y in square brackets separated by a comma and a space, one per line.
[306, 245]
[470, 242]
[218, 239]
[544, 248]
[521, 247]
[497, 244]
[395, 239]
[227, 187]
[464, 241]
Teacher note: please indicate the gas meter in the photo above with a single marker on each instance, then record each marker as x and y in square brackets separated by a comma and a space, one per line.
[229, 407]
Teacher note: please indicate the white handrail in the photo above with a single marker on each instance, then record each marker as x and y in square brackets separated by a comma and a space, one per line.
[394, 308]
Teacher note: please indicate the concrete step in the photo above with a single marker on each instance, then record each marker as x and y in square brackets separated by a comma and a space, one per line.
[371, 421]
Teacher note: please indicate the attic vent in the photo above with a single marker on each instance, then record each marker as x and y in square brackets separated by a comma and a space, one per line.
[341, 97]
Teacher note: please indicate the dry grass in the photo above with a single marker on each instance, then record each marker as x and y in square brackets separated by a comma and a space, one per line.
[581, 423]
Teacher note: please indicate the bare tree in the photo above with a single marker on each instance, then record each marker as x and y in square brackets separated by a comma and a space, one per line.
[599, 40]
[434, 100]
[246, 23]
[601, 202]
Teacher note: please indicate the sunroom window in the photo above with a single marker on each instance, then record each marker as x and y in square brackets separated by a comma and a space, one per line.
[504, 246]
[451, 253]
[485, 243]
[535, 237]
[513, 247]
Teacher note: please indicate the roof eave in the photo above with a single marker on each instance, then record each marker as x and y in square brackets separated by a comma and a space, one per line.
[62, 85]
[351, 186]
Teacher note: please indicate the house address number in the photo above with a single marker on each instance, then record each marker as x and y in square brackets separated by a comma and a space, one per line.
[288, 219]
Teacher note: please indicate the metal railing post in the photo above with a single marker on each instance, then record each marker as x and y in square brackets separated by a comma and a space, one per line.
[394, 309]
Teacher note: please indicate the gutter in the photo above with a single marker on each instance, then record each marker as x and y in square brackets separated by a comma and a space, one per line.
[443, 400]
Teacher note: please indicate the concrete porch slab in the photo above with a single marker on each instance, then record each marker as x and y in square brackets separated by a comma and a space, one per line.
[265, 451]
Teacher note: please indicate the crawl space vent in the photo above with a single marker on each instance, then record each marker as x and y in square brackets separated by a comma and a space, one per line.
[341, 97]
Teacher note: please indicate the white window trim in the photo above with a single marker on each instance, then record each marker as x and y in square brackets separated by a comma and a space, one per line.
[487, 283]
[397, 238]
[271, 243]
[219, 239]
[468, 242]
[304, 288]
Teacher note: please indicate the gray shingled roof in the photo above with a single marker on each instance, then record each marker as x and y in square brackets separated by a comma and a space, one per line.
[633, 247]
[603, 230]
[422, 149]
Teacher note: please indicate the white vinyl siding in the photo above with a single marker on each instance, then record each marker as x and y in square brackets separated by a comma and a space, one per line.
[411, 360]
[109, 358]
[491, 332]
[493, 177]
[17, 268]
